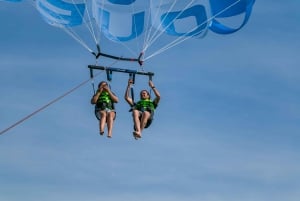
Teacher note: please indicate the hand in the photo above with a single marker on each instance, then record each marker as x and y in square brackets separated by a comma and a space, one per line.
[130, 82]
[105, 87]
[151, 84]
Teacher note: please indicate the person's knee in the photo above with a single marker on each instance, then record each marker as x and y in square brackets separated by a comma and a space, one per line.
[135, 113]
[103, 113]
[111, 115]
[146, 115]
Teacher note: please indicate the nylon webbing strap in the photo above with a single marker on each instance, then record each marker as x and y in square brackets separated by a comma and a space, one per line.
[132, 77]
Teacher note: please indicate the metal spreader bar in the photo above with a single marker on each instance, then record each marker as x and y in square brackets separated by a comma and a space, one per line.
[109, 71]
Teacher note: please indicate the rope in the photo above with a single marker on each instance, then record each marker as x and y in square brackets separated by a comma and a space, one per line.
[44, 107]
[52, 102]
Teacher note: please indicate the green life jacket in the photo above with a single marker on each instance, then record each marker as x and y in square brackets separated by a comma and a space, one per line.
[145, 105]
[104, 101]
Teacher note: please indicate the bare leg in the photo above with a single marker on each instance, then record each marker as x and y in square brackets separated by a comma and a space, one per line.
[137, 123]
[145, 117]
[110, 121]
[102, 121]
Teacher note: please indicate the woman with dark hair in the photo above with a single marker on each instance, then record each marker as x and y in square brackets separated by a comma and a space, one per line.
[104, 100]
[143, 110]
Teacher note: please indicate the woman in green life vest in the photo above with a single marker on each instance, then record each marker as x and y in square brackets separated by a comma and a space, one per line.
[143, 110]
[104, 100]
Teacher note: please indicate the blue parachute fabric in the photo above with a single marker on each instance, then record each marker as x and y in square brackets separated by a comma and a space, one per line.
[122, 2]
[119, 16]
[229, 8]
[135, 30]
[142, 25]
[60, 13]
[119, 22]
[12, 0]
[197, 11]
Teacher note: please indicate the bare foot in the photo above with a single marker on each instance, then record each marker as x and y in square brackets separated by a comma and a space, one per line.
[136, 135]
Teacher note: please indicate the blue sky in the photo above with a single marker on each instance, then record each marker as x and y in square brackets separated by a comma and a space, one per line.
[227, 128]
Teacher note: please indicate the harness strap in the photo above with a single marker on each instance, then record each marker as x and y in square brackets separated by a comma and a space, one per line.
[132, 77]
[92, 80]
[108, 74]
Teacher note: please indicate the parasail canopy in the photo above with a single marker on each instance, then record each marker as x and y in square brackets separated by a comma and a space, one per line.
[144, 27]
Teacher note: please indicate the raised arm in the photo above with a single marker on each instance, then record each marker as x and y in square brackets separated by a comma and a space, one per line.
[156, 92]
[127, 91]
